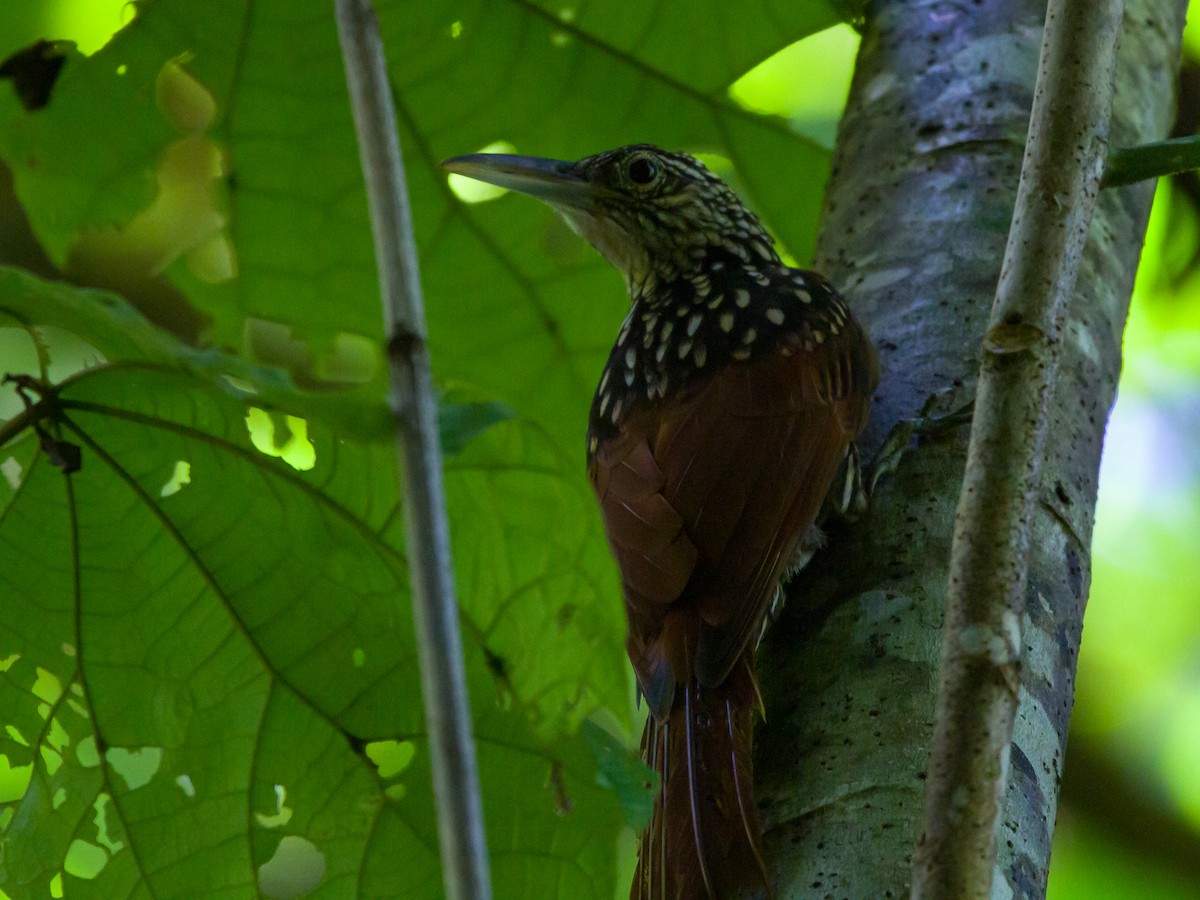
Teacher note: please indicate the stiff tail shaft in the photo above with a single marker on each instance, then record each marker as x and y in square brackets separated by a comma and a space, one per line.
[703, 841]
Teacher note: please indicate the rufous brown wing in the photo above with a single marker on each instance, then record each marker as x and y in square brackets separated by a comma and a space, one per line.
[729, 401]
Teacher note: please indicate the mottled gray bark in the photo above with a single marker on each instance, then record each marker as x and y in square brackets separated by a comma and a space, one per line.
[917, 214]
[979, 685]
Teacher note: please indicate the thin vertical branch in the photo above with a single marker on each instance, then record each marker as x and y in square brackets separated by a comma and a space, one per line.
[447, 713]
[981, 651]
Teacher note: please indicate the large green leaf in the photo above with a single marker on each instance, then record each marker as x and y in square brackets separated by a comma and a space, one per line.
[195, 656]
[515, 303]
[207, 671]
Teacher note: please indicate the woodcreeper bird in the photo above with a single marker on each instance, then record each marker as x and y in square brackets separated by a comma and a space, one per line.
[730, 401]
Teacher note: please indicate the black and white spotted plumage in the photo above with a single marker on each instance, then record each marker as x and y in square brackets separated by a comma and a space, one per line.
[732, 394]
[728, 313]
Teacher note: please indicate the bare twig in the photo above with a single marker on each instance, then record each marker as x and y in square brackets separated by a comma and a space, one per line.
[455, 777]
[981, 651]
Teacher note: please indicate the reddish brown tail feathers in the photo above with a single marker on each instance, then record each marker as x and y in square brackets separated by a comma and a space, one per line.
[703, 841]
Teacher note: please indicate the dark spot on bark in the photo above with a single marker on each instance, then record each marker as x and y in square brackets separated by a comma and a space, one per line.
[33, 72]
[1074, 573]
[1061, 493]
[402, 345]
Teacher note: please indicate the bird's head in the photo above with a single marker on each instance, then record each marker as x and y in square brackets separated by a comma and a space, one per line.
[656, 216]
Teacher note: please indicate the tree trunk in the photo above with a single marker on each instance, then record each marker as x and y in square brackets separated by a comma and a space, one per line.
[916, 218]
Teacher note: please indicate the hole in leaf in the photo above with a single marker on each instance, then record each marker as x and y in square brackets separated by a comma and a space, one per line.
[137, 767]
[396, 791]
[296, 868]
[47, 687]
[89, 23]
[101, 822]
[58, 737]
[84, 859]
[717, 164]
[48, 349]
[359, 657]
[179, 477]
[19, 352]
[11, 470]
[15, 734]
[468, 190]
[179, 222]
[213, 260]
[187, 104]
[69, 353]
[283, 436]
[52, 759]
[391, 757]
[185, 220]
[282, 814]
[185, 784]
[347, 359]
[85, 752]
[777, 85]
[456, 30]
[13, 780]
[60, 797]
[354, 360]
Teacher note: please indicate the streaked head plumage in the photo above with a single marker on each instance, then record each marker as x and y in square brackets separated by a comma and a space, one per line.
[655, 215]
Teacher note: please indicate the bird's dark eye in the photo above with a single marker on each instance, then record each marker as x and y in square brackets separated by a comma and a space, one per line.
[642, 171]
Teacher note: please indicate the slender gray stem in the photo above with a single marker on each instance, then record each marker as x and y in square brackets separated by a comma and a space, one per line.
[979, 681]
[447, 712]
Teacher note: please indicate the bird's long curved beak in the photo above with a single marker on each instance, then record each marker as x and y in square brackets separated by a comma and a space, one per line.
[551, 180]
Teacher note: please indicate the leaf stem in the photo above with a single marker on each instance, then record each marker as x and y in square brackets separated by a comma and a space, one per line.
[22, 420]
[443, 682]
[979, 681]
[1128, 165]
